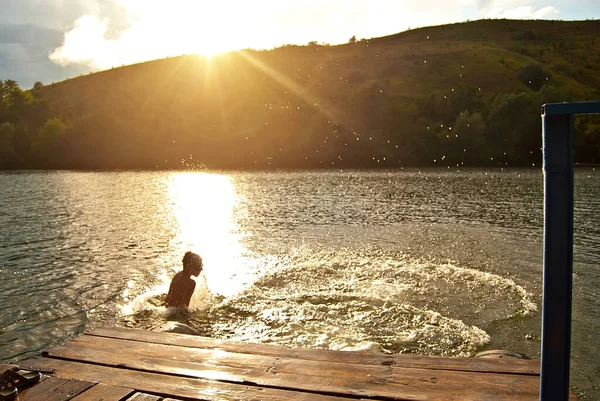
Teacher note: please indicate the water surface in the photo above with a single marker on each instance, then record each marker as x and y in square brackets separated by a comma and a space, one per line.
[433, 261]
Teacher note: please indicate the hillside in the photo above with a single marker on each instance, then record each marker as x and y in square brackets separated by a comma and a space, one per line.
[461, 94]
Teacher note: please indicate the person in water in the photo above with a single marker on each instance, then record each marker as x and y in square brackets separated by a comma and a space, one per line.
[182, 286]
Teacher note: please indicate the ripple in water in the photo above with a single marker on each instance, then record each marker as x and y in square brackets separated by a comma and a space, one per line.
[352, 300]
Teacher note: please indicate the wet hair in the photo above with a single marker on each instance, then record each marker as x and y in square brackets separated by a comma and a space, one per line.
[190, 260]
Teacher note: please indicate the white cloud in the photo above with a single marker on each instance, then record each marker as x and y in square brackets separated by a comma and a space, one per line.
[87, 44]
[514, 9]
[84, 44]
[546, 12]
[151, 29]
[156, 29]
[522, 12]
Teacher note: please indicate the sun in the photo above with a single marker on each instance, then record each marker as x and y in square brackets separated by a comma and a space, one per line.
[207, 28]
[155, 30]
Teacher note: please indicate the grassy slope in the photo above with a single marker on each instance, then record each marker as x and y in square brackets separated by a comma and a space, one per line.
[288, 98]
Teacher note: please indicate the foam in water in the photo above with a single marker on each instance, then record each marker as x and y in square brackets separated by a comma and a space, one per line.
[149, 305]
[348, 299]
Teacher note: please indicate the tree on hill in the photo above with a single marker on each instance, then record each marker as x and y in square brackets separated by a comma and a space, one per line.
[534, 76]
[469, 140]
[9, 85]
[7, 133]
[352, 39]
[514, 128]
[48, 144]
[53, 129]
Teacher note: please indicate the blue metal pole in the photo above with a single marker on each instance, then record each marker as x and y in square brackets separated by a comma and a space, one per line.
[558, 255]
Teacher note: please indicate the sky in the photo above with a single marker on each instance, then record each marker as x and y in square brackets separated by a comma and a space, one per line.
[51, 40]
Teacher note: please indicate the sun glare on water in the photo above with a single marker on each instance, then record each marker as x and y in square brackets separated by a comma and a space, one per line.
[205, 207]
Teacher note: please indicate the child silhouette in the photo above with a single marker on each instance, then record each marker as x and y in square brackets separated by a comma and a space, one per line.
[182, 286]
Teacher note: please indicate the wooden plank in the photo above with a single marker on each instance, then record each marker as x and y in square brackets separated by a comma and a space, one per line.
[40, 389]
[523, 366]
[102, 392]
[144, 397]
[23, 392]
[168, 385]
[55, 389]
[312, 376]
[3, 367]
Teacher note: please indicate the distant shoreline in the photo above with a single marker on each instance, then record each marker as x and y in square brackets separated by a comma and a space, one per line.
[288, 170]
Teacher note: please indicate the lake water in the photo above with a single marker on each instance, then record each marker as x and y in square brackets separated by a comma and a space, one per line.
[432, 261]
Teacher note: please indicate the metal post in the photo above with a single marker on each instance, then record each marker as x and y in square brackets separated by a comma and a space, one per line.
[558, 255]
[557, 127]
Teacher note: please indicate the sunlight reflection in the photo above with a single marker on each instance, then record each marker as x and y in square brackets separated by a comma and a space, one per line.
[207, 209]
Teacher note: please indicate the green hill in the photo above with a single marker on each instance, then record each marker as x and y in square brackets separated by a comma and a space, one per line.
[461, 94]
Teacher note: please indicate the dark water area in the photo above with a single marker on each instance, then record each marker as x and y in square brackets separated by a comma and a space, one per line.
[430, 261]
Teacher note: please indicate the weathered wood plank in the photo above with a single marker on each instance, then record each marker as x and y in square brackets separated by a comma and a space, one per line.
[143, 397]
[102, 392]
[23, 392]
[356, 357]
[168, 385]
[312, 376]
[264, 370]
[55, 389]
[44, 386]
[4, 367]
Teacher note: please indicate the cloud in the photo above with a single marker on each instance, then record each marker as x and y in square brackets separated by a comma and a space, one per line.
[86, 44]
[514, 9]
[156, 29]
[59, 14]
[523, 12]
[24, 50]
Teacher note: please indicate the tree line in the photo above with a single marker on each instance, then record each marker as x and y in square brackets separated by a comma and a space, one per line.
[373, 128]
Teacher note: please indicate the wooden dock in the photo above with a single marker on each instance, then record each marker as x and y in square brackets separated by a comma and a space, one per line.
[117, 364]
